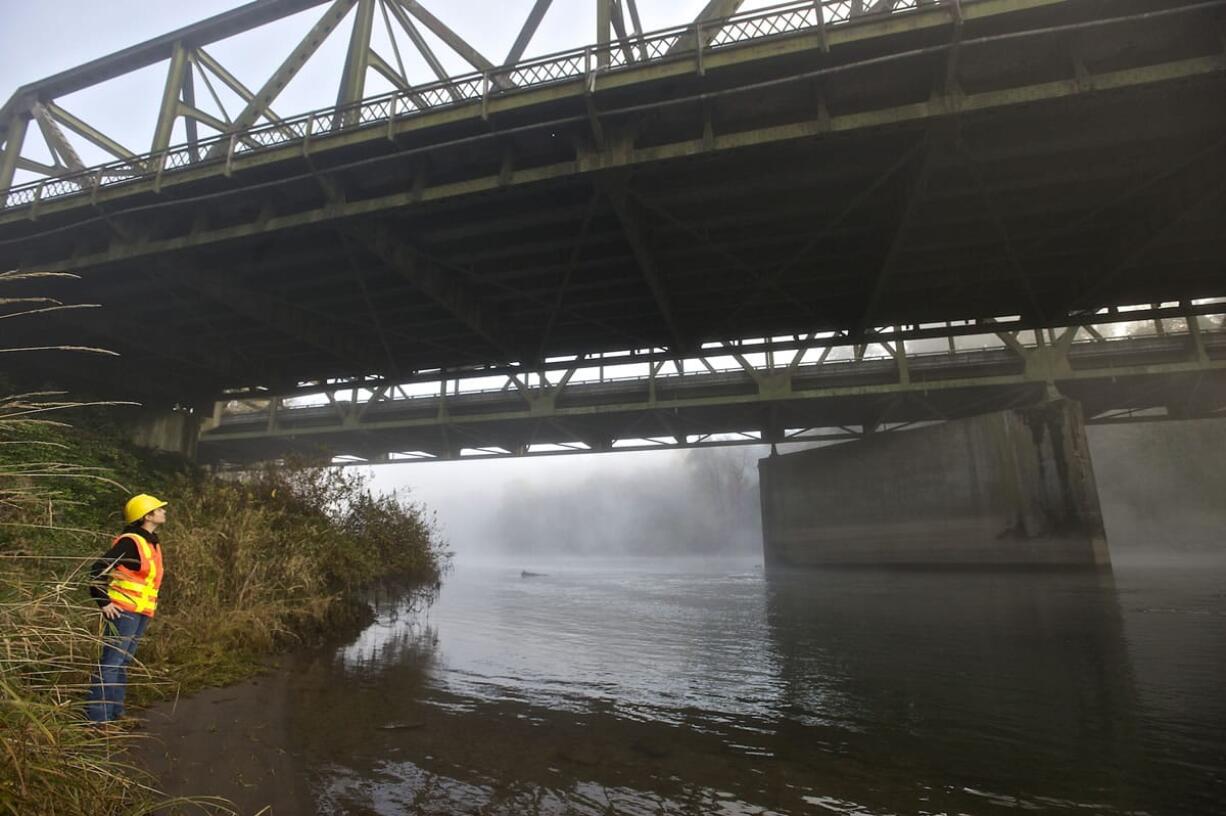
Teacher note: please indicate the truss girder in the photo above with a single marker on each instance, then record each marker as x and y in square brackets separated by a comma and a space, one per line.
[446, 287]
[453, 40]
[265, 96]
[652, 273]
[1117, 377]
[600, 161]
[759, 200]
[184, 47]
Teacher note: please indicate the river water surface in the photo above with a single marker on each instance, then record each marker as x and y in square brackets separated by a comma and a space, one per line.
[715, 688]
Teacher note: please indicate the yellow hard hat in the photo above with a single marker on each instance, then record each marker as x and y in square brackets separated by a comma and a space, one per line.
[139, 506]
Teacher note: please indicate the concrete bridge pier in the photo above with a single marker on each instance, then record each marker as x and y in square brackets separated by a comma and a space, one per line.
[175, 430]
[1012, 488]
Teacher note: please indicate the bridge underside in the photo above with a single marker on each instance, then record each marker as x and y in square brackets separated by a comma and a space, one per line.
[1137, 379]
[905, 180]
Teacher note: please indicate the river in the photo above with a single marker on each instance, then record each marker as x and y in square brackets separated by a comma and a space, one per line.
[687, 687]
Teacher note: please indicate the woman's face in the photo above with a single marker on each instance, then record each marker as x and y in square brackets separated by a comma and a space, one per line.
[157, 516]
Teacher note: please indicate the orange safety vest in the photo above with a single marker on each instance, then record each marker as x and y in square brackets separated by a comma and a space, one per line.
[137, 590]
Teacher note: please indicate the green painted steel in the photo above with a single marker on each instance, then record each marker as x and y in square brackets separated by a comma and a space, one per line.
[788, 181]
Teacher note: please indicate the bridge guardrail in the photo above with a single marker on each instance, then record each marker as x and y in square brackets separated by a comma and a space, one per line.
[589, 61]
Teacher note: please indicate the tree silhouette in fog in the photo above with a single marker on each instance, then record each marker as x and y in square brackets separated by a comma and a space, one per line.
[702, 502]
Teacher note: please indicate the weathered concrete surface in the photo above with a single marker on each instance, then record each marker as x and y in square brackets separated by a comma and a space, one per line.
[1009, 488]
[174, 431]
[1162, 485]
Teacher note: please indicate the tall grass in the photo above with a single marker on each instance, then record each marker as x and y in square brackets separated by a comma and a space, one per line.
[255, 563]
[53, 762]
[50, 761]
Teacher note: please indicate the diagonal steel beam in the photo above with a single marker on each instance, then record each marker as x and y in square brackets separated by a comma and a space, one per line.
[205, 60]
[59, 145]
[1098, 291]
[772, 278]
[633, 8]
[89, 133]
[391, 36]
[881, 6]
[395, 77]
[376, 321]
[276, 83]
[573, 263]
[618, 197]
[527, 31]
[444, 288]
[419, 42]
[1006, 239]
[915, 195]
[219, 27]
[619, 27]
[454, 41]
[747, 268]
[193, 115]
[714, 10]
[300, 324]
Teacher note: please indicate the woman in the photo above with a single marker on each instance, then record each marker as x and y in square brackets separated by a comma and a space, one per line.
[131, 572]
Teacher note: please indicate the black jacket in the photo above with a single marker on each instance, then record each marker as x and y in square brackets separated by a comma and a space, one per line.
[123, 554]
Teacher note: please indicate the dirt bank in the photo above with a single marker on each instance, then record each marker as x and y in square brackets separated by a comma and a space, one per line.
[233, 738]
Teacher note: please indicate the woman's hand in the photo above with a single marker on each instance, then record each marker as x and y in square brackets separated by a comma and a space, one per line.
[111, 611]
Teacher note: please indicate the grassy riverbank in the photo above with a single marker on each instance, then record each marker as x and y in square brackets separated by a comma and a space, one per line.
[254, 565]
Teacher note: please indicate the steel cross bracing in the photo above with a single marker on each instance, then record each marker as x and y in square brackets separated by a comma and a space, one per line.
[192, 70]
[801, 390]
[782, 176]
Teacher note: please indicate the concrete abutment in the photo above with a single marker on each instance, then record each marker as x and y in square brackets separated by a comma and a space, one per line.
[176, 431]
[1014, 488]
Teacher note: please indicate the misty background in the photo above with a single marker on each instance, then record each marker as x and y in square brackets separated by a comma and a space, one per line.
[1161, 486]
[646, 503]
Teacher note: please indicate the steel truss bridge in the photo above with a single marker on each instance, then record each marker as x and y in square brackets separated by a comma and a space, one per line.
[804, 391]
[823, 174]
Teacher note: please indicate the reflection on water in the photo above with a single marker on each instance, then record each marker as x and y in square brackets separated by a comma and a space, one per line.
[641, 689]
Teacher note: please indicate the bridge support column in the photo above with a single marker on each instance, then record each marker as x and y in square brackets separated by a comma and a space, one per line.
[176, 431]
[1012, 488]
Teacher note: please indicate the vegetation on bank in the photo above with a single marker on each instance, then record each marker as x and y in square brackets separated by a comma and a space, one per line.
[255, 563]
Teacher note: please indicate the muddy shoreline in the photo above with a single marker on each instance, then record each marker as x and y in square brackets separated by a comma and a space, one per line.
[231, 742]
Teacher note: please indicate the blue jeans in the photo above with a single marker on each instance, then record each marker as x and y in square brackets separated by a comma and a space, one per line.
[105, 702]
